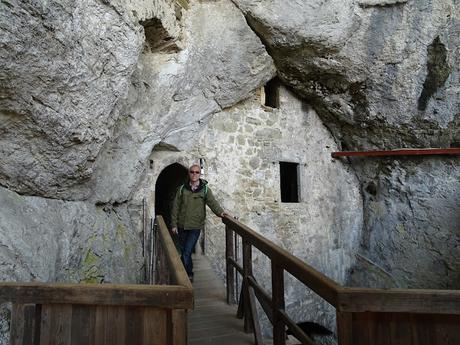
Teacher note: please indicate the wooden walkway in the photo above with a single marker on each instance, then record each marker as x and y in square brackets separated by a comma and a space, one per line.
[213, 321]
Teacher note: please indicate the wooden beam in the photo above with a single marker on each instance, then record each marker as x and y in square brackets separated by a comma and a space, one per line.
[176, 268]
[399, 152]
[399, 300]
[162, 296]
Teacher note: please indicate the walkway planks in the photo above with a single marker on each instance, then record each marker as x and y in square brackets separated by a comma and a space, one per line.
[213, 321]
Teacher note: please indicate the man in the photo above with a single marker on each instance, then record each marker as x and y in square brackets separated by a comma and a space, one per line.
[189, 213]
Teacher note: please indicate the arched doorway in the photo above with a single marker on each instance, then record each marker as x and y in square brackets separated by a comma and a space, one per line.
[165, 189]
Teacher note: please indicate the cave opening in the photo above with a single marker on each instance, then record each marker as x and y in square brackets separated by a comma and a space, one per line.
[166, 186]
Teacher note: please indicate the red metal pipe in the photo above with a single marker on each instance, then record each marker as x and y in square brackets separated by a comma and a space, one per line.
[399, 152]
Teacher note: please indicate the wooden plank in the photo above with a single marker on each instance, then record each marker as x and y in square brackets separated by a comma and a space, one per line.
[400, 152]
[179, 326]
[229, 254]
[164, 296]
[279, 329]
[263, 298]
[176, 268]
[247, 271]
[344, 328]
[100, 326]
[370, 328]
[399, 300]
[134, 323]
[254, 317]
[22, 324]
[82, 329]
[240, 310]
[156, 326]
[56, 324]
[116, 326]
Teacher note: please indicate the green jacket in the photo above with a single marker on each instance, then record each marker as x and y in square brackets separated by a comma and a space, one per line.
[189, 208]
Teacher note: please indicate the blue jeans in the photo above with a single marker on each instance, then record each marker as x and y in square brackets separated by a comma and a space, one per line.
[187, 241]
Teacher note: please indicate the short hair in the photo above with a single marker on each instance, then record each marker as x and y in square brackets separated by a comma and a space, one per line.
[194, 165]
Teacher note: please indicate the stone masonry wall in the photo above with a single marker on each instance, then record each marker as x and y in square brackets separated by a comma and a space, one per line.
[242, 147]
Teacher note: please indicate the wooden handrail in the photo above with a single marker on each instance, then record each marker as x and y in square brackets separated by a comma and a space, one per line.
[347, 301]
[399, 152]
[170, 296]
[318, 282]
[399, 300]
[177, 270]
[352, 299]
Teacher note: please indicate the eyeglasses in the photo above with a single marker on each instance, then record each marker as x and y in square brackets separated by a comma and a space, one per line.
[194, 172]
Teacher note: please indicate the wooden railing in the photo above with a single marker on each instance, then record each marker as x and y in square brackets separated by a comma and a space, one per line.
[364, 316]
[109, 314]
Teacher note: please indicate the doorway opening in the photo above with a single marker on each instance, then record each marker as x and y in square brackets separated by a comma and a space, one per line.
[165, 189]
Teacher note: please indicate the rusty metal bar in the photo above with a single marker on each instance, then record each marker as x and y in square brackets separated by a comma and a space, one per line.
[399, 152]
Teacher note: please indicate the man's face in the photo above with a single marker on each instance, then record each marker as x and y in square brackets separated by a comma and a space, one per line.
[194, 174]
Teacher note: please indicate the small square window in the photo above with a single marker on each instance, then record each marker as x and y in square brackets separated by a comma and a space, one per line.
[289, 182]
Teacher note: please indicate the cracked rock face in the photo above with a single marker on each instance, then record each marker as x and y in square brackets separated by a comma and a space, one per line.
[63, 67]
[412, 211]
[59, 241]
[381, 73]
[173, 95]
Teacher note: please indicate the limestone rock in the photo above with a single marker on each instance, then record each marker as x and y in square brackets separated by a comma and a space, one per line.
[411, 211]
[63, 67]
[173, 95]
[382, 74]
[60, 241]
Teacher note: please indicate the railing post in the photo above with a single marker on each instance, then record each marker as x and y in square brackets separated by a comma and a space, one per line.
[247, 271]
[230, 253]
[279, 329]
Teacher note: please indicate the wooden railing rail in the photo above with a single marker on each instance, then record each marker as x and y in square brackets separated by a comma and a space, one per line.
[178, 275]
[97, 314]
[400, 314]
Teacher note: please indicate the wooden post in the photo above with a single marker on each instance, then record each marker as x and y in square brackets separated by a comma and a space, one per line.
[247, 271]
[279, 329]
[235, 241]
[229, 253]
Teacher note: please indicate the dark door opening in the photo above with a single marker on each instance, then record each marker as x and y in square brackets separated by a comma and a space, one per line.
[165, 189]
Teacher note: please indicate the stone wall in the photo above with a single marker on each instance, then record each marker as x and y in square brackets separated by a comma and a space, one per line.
[242, 147]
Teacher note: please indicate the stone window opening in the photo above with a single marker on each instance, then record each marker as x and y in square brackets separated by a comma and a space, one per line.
[270, 95]
[289, 182]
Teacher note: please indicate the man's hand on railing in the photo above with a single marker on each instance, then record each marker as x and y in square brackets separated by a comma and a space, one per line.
[174, 230]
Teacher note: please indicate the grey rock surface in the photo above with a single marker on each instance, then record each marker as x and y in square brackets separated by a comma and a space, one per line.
[66, 241]
[382, 75]
[173, 95]
[412, 232]
[63, 66]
